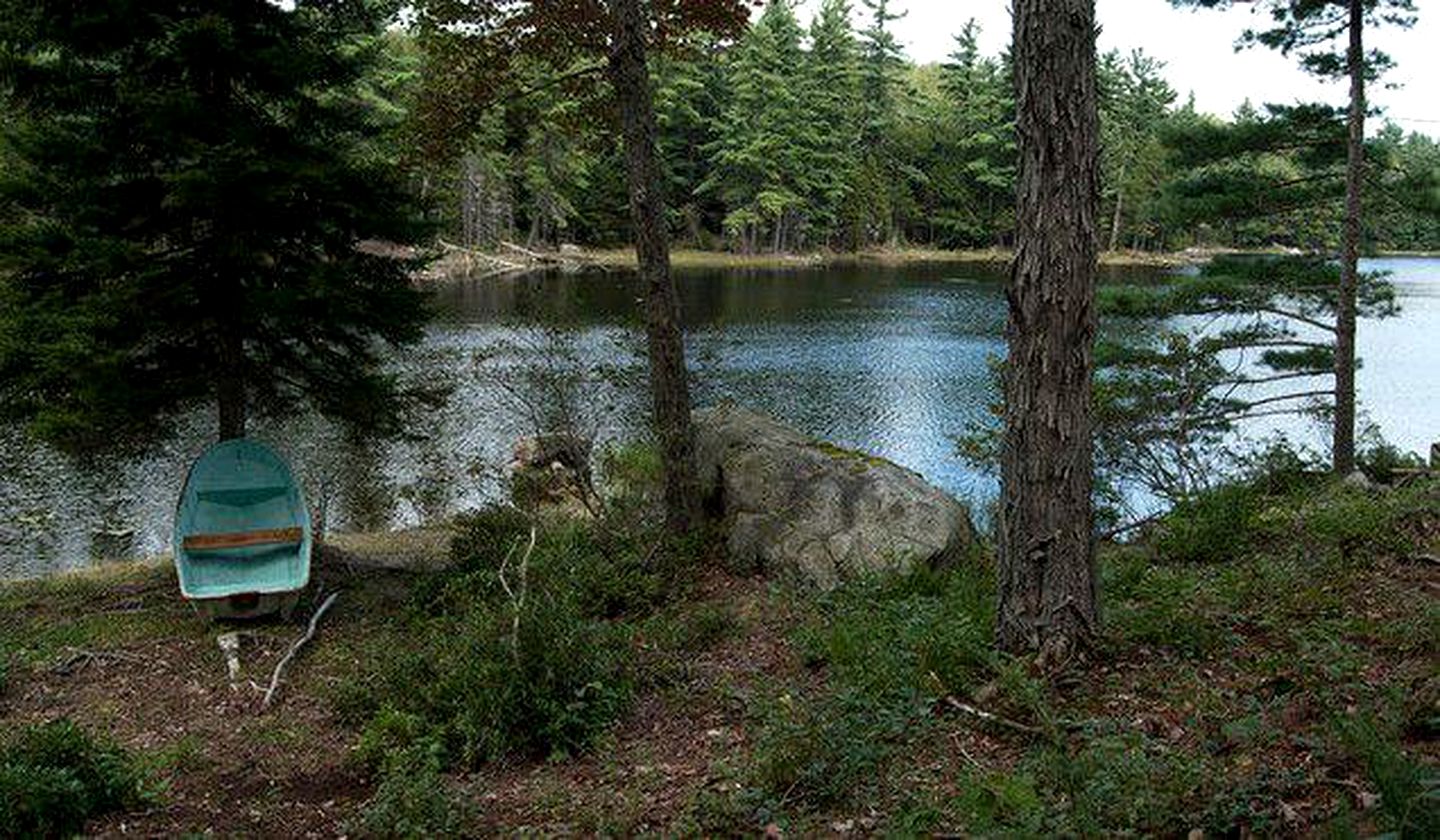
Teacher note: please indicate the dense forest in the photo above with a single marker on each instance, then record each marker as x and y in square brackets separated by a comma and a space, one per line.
[799, 137]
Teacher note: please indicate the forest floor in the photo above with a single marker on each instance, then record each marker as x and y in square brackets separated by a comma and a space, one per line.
[1287, 690]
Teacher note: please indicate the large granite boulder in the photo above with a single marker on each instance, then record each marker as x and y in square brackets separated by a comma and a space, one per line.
[801, 507]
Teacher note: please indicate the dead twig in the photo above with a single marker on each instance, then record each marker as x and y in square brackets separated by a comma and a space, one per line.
[989, 717]
[295, 648]
[955, 739]
[1131, 526]
[517, 600]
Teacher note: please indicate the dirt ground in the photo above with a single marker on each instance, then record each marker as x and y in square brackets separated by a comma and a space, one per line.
[233, 768]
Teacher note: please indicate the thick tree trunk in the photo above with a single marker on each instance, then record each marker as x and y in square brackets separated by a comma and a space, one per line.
[1046, 574]
[669, 387]
[230, 399]
[1344, 440]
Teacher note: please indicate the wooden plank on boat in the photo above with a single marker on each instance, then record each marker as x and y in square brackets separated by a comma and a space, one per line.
[241, 539]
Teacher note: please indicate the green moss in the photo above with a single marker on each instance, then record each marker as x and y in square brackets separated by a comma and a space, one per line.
[858, 458]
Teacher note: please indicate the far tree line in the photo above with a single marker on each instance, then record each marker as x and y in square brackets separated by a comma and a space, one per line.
[806, 135]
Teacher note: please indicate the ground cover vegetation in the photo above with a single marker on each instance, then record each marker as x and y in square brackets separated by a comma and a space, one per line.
[1278, 680]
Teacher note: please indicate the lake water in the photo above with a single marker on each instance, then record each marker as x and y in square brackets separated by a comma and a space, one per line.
[889, 360]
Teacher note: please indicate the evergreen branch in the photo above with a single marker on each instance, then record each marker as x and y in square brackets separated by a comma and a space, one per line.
[1268, 310]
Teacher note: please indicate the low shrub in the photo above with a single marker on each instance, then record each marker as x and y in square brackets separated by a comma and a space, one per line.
[668, 641]
[1287, 503]
[817, 750]
[537, 663]
[1384, 462]
[412, 800]
[480, 693]
[1214, 527]
[55, 776]
[1354, 523]
[890, 648]
[1162, 606]
[1409, 790]
[907, 638]
[1119, 784]
[1001, 804]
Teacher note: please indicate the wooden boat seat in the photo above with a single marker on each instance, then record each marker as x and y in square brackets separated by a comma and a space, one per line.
[243, 539]
[242, 496]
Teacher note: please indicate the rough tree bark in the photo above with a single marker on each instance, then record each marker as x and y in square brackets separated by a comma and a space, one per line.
[1343, 445]
[230, 399]
[1046, 576]
[669, 386]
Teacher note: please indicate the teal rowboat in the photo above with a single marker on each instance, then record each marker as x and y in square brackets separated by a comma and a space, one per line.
[242, 533]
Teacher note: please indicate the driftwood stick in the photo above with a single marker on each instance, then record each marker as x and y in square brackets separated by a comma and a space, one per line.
[295, 648]
[529, 254]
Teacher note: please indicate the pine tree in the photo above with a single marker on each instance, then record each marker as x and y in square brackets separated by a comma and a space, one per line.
[1134, 103]
[762, 158]
[185, 222]
[1046, 564]
[975, 168]
[1244, 338]
[553, 160]
[1262, 179]
[880, 180]
[1308, 29]
[478, 43]
[669, 380]
[833, 97]
[688, 99]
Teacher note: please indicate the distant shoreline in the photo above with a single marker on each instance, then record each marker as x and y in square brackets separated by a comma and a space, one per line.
[691, 258]
[513, 259]
[694, 258]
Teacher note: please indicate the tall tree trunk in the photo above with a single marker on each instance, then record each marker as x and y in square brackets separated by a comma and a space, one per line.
[669, 387]
[1119, 204]
[1344, 440]
[1046, 574]
[230, 399]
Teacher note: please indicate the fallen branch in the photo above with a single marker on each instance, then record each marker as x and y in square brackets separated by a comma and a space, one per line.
[988, 717]
[80, 657]
[526, 252]
[295, 648]
[1138, 523]
[499, 265]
